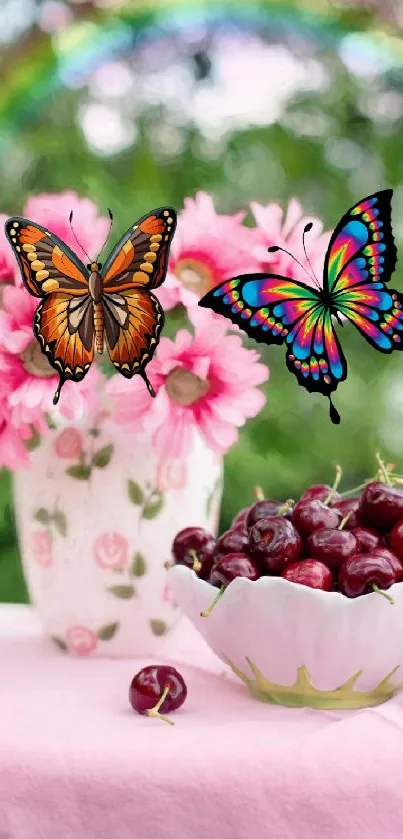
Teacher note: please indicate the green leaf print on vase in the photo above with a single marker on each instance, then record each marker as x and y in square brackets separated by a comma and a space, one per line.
[96, 516]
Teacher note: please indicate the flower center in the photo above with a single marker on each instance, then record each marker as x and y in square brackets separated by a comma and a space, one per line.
[35, 362]
[194, 275]
[184, 387]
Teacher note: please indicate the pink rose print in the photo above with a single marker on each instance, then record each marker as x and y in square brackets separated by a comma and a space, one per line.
[167, 595]
[68, 444]
[42, 547]
[171, 474]
[81, 640]
[111, 550]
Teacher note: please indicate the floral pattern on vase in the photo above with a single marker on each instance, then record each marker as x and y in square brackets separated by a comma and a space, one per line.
[96, 516]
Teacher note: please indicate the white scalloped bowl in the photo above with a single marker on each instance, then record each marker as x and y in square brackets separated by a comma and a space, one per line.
[295, 645]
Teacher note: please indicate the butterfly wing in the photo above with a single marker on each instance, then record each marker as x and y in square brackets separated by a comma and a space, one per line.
[363, 233]
[133, 317]
[361, 259]
[133, 321]
[63, 321]
[273, 309]
[140, 259]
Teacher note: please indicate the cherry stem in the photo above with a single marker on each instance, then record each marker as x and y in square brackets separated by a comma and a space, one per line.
[154, 712]
[168, 565]
[196, 561]
[285, 507]
[345, 520]
[357, 488]
[210, 608]
[383, 470]
[383, 593]
[259, 494]
[336, 482]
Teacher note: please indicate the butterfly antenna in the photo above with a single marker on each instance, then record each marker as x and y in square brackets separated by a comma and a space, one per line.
[307, 228]
[78, 243]
[109, 232]
[275, 248]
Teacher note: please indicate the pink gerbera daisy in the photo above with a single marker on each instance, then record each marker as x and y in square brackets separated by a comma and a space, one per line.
[207, 249]
[205, 384]
[28, 381]
[286, 232]
[53, 212]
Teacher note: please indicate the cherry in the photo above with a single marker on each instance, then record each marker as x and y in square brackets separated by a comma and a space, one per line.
[346, 506]
[393, 560]
[321, 492]
[239, 521]
[157, 687]
[395, 538]
[331, 547]
[381, 505]
[194, 548]
[264, 508]
[232, 541]
[308, 516]
[309, 572]
[227, 569]
[363, 573]
[367, 539]
[274, 543]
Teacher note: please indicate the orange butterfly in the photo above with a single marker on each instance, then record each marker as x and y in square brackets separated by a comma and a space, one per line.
[80, 305]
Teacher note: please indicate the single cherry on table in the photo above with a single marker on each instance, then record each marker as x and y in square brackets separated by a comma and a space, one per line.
[155, 688]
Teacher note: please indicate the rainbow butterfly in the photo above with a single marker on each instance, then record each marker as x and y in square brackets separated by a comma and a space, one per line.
[360, 259]
[83, 305]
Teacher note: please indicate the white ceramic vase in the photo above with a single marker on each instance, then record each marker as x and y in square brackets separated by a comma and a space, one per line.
[96, 515]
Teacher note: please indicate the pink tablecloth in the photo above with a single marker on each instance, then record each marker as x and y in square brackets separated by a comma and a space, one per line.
[77, 763]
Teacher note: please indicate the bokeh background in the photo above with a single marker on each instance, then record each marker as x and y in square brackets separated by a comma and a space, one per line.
[137, 104]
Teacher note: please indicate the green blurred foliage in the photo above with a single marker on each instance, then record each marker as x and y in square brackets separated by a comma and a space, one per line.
[43, 147]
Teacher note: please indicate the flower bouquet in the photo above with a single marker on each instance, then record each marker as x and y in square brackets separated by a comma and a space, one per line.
[104, 481]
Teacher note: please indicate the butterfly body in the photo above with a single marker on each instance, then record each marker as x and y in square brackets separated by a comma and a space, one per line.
[359, 262]
[82, 309]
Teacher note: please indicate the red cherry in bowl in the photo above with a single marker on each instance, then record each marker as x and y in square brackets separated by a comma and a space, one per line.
[395, 539]
[363, 573]
[367, 539]
[349, 506]
[331, 547]
[193, 547]
[232, 541]
[321, 492]
[309, 572]
[308, 516]
[265, 508]
[393, 560]
[274, 543]
[227, 569]
[155, 688]
[239, 521]
[381, 505]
